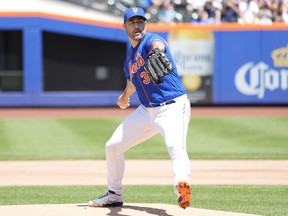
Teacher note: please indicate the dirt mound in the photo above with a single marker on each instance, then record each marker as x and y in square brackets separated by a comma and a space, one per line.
[126, 210]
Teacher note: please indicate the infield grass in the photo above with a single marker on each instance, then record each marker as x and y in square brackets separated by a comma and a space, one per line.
[208, 138]
[260, 200]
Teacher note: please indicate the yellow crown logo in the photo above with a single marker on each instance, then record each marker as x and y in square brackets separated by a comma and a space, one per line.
[280, 57]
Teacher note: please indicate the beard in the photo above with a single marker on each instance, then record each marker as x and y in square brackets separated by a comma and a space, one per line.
[137, 35]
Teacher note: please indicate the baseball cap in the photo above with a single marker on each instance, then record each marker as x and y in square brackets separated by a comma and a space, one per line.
[132, 12]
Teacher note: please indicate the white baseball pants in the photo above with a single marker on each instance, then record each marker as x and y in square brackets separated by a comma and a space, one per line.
[171, 121]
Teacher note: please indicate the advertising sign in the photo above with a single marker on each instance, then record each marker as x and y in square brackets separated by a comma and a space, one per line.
[193, 52]
[252, 68]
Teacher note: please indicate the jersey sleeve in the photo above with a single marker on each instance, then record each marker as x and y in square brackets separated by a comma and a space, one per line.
[153, 38]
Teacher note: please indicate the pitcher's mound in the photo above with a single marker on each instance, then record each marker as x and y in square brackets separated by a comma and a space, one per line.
[126, 210]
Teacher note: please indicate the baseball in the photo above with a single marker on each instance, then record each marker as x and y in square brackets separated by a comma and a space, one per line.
[123, 107]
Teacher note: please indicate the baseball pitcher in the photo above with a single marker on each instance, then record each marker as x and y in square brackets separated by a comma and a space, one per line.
[151, 73]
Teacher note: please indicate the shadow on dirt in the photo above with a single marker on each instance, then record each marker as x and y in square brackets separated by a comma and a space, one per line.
[115, 211]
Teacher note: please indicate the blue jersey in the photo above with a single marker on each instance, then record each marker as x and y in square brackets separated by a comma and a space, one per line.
[149, 94]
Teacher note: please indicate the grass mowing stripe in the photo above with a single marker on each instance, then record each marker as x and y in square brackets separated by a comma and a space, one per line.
[44, 139]
[208, 138]
[41, 139]
[261, 200]
[4, 138]
[240, 138]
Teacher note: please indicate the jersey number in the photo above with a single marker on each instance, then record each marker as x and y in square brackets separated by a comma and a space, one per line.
[146, 77]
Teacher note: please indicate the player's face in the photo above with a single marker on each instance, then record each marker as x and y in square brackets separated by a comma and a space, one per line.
[135, 28]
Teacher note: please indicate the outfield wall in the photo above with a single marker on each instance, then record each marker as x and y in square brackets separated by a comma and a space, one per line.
[49, 60]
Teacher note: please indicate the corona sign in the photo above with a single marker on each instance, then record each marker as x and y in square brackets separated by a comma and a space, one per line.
[255, 79]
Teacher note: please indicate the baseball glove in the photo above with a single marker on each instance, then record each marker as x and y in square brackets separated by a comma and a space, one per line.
[157, 66]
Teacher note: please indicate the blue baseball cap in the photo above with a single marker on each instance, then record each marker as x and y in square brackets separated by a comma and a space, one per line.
[133, 12]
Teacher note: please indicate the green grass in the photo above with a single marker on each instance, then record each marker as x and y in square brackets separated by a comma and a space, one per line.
[239, 138]
[260, 200]
[47, 139]
[208, 138]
